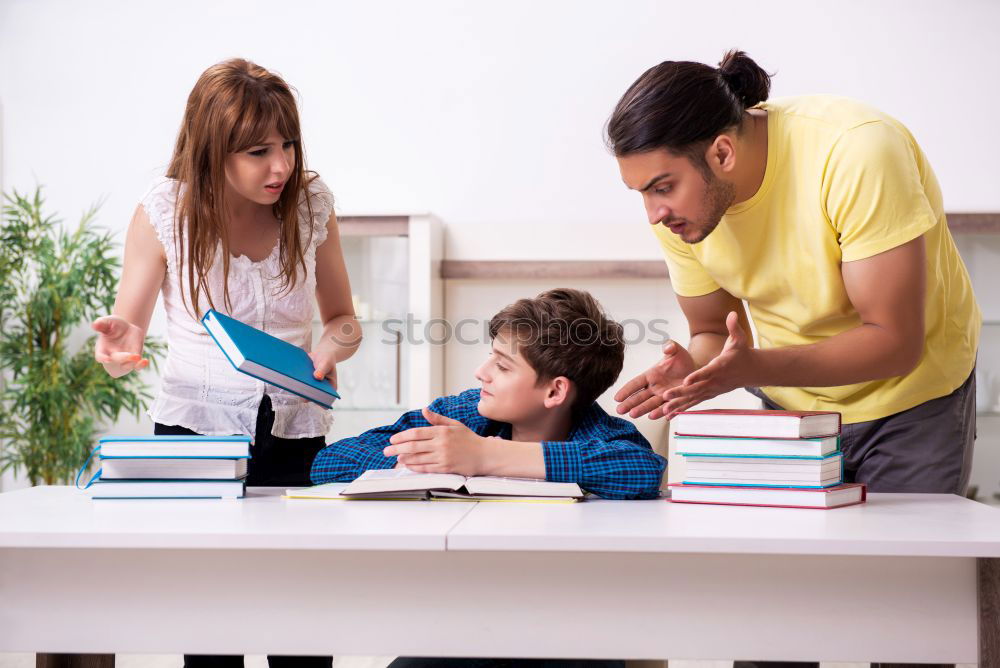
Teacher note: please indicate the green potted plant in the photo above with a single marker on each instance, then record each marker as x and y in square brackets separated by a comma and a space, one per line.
[54, 396]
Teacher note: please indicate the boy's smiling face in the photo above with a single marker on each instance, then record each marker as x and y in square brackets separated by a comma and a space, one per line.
[510, 388]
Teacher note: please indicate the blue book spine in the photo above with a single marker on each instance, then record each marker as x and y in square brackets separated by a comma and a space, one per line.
[734, 484]
[169, 457]
[174, 439]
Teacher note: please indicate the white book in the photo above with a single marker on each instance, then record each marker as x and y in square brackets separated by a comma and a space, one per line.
[765, 479]
[784, 447]
[402, 483]
[173, 467]
[782, 465]
[831, 497]
[176, 446]
[780, 472]
[757, 423]
[164, 489]
[764, 470]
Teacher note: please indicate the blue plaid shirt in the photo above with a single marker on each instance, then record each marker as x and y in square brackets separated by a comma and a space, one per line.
[605, 455]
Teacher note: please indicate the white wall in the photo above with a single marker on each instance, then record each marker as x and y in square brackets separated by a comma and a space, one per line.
[483, 113]
[488, 115]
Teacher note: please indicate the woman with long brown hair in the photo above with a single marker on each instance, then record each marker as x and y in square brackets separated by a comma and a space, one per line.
[238, 224]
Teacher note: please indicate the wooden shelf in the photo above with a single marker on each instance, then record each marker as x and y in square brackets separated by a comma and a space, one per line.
[379, 226]
[552, 269]
[373, 226]
[974, 223]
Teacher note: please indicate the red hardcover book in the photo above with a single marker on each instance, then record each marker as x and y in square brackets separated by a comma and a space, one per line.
[742, 423]
[848, 494]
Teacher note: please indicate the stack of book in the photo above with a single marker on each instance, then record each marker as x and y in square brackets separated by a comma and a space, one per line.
[157, 467]
[762, 458]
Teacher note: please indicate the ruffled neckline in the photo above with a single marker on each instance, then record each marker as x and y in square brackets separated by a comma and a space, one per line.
[245, 262]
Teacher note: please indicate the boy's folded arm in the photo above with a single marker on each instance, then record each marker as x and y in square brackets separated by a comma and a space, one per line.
[619, 467]
[346, 459]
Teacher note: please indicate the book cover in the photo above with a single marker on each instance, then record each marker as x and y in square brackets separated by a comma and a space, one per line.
[188, 447]
[167, 489]
[706, 446]
[846, 494]
[331, 491]
[731, 422]
[178, 468]
[268, 358]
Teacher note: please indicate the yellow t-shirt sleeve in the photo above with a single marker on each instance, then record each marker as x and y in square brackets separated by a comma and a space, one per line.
[687, 275]
[873, 191]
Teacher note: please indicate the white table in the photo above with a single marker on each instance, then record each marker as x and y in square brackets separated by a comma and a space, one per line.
[892, 580]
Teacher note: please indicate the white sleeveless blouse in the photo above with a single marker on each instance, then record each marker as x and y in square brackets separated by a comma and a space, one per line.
[200, 389]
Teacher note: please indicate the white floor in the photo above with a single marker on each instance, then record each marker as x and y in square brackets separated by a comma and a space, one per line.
[174, 661]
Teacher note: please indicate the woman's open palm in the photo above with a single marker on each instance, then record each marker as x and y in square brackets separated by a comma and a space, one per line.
[119, 345]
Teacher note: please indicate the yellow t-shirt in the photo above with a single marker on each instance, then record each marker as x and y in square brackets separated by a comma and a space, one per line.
[843, 182]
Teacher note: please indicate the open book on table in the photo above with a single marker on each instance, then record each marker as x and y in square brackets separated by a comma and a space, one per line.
[394, 484]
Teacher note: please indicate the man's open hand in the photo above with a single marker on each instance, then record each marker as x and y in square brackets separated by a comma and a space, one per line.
[732, 368]
[644, 393]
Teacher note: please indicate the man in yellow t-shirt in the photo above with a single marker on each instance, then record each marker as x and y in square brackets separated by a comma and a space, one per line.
[824, 217]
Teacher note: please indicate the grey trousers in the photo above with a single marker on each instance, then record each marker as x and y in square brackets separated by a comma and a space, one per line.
[927, 448]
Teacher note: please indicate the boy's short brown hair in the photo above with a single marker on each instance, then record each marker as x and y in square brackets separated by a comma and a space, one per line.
[565, 332]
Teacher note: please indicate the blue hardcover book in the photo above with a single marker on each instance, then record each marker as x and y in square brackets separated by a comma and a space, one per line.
[839, 481]
[168, 489]
[183, 447]
[268, 358]
[173, 468]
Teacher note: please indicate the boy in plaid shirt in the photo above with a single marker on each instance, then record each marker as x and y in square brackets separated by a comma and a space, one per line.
[534, 416]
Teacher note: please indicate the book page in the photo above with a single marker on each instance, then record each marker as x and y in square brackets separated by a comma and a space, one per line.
[398, 480]
[492, 485]
[395, 474]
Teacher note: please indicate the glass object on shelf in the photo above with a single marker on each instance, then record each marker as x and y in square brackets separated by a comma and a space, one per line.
[988, 369]
[393, 266]
[373, 379]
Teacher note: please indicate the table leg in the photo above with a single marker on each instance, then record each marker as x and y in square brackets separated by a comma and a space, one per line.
[989, 612]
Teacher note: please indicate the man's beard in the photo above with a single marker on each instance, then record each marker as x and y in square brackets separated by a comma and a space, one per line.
[719, 196]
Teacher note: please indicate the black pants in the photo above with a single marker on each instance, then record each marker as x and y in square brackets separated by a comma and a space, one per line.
[927, 448]
[274, 462]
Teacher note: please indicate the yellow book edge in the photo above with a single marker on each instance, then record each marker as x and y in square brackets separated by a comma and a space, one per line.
[519, 499]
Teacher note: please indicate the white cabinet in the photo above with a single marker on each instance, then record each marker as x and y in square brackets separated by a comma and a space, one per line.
[394, 267]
